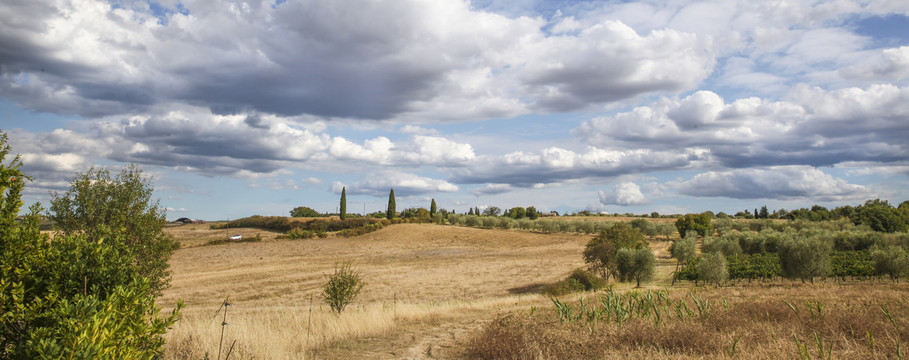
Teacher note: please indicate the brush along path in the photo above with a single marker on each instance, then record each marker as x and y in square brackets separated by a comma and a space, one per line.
[431, 270]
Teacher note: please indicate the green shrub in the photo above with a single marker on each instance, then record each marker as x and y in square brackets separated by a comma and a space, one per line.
[851, 263]
[342, 287]
[712, 268]
[587, 279]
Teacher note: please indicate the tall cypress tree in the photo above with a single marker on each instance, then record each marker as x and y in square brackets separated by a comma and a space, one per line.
[432, 208]
[343, 203]
[390, 213]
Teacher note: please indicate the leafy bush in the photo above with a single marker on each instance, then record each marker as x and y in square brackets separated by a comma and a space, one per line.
[712, 268]
[726, 245]
[74, 296]
[342, 287]
[102, 207]
[755, 266]
[851, 263]
[303, 211]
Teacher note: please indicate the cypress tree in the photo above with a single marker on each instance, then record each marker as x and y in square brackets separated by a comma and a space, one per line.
[432, 208]
[343, 203]
[470, 212]
[390, 213]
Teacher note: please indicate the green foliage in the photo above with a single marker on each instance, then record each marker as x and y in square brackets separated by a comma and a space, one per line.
[492, 211]
[636, 264]
[342, 287]
[516, 213]
[689, 271]
[851, 263]
[726, 245]
[303, 211]
[696, 222]
[120, 209]
[754, 266]
[390, 210]
[532, 213]
[881, 216]
[684, 250]
[343, 206]
[712, 268]
[124, 325]
[600, 253]
[80, 295]
[579, 280]
[433, 208]
[892, 261]
[805, 257]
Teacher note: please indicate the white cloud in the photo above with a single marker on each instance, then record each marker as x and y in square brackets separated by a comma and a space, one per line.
[888, 65]
[404, 184]
[813, 126]
[777, 182]
[624, 194]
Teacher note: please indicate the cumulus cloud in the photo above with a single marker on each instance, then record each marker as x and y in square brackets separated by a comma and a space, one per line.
[553, 165]
[407, 59]
[778, 182]
[493, 189]
[404, 184]
[889, 65]
[624, 194]
[812, 126]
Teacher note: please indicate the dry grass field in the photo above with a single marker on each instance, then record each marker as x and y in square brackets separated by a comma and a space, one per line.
[444, 291]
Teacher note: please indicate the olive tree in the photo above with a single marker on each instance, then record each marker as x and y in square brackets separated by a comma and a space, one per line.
[636, 264]
[105, 207]
[342, 287]
[805, 258]
[601, 251]
[683, 250]
[712, 268]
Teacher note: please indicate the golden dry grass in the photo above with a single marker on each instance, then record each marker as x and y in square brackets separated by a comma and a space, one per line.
[434, 272]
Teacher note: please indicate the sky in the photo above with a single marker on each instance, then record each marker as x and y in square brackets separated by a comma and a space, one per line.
[237, 108]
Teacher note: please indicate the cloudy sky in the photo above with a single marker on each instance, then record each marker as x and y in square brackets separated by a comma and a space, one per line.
[254, 107]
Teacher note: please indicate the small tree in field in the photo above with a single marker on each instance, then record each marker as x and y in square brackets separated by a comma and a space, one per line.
[601, 251]
[712, 268]
[636, 264]
[683, 250]
[342, 287]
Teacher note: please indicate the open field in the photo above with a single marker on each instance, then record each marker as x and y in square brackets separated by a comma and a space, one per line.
[436, 291]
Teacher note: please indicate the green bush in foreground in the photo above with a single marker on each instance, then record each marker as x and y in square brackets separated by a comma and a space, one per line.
[342, 287]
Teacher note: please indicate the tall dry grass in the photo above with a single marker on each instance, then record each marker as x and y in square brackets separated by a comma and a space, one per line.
[790, 321]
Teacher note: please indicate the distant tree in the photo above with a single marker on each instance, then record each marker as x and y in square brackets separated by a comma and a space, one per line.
[683, 250]
[655, 215]
[881, 216]
[433, 208]
[109, 208]
[390, 211]
[696, 222]
[533, 214]
[601, 251]
[476, 211]
[805, 257]
[517, 213]
[636, 264]
[470, 212]
[764, 213]
[666, 229]
[712, 268]
[492, 211]
[892, 261]
[343, 203]
[303, 211]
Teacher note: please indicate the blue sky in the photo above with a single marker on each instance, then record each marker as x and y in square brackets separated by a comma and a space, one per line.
[239, 108]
